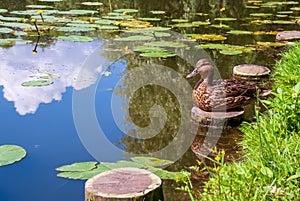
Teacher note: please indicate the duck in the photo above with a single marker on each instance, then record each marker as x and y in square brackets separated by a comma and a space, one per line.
[219, 95]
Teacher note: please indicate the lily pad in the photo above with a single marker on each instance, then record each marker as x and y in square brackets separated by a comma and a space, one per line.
[198, 23]
[106, 22]
[231, 52]
[271, 44]
[19, 33]
[7, 42]
[37, 83]
[3, 10]
[109, 27]
[39, 6]
[239, 32]
[295, 8]
[220, 26]
[126, 10]
[179, 20]
[166, 44]
[209, 37]
[183, 25]
[75, 38]
[148, 49]
[154, 162]
[135, 38]
[50, 0]
[10, 154]
[12, 19]
[77, 12]
[158, 12]
[225, 19]
[135, 24]
[261, 14]
[6, 30]
[283, 22]
[75, 29]
[158, 54]
[92, 3]
[78, 167]
[17, 25]
[86, 25]
[148, 30]
[150, 19]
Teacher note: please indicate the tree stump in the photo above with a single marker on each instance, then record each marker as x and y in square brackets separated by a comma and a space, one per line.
[251, 71]
[122, 184]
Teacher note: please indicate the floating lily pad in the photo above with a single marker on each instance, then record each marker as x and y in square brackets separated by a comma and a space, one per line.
[159, 34]
[77, 12]
[286, 12]
[92, 3]
[231, 52]
[109, 27]
[225, 19]
[39, 6]
[117, 17]
[75, 29]
[126, 10]
[10, 154]
[166, 44]
[87, 25]
[179, 20]
[78, 167]
[75, 38]
[158, 12]
[83, 175]
[283, 22]
[6, 30]
[209, 37]
[122, 164]
[106, 22]
[12, 19]
[37, 83]
[135, 38]
[198, 23]
[7, 42]
[158, 54]
[259, 22]
[271, 44]
[227, 49]
[150, 19]
[220, 26]
[149, 161]
[239, 32]
[261, 14]
[148, 30]
[295, 8]
[135, 24]
[183, 25]
[19, 33]
[3, 10]
[252, 7]
[148, 49]
[17, 25]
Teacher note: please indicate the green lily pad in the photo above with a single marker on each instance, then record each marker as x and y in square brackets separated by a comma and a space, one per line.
[127, 10]
[17, 25]
[285, 12]
[154, 162]
[295, 8]
[220, 26]
[83, 175]
[39, 6]
[261, 14]
[148, 30]
[135, 38]
[198, 23]
[75, 38]
[252, 7]
[117, 17]
[179, 20]
[158, 12]
[166, 44]
[283, 22]
[121, 164]
[227, 49]
[158, 54]
[239, 32]
[3, 10]
[108, 27]
[105, 22]
[10, 154]
[77, 12]
[92, 3]
[164, 174]
[183, 25]
[12, 19]
[148, 49]
[19, 33]
[37, 83]
[7, 42]
[231, 52]
[225, 19]
[78, 167]
[271, 44]
[209, 37]
[259, 22]
[150, 19]
[75, 29]
[87, 25]
[6, 30]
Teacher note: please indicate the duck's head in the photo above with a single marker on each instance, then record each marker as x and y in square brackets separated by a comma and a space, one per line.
[205, 68]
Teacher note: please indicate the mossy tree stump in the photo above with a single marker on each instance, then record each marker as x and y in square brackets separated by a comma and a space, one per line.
[122, 184]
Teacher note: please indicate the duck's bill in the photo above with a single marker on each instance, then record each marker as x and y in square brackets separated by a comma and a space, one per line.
[192, 74]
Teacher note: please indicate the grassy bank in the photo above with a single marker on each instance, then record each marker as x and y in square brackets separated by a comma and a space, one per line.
[271, 168]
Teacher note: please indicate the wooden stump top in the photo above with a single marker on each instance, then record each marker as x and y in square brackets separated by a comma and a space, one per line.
[251, 70]
[121, 183]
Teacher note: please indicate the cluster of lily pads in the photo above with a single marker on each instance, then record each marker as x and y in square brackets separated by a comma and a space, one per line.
[81, 24]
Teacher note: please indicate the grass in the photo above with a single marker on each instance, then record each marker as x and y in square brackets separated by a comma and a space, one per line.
[270, 169]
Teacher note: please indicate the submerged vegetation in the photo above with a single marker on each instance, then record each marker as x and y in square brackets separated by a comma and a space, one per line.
[270, 168]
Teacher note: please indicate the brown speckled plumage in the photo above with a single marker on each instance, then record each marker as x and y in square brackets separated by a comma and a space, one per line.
[209, 94]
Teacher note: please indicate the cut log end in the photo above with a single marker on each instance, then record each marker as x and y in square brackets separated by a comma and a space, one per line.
[121, 184]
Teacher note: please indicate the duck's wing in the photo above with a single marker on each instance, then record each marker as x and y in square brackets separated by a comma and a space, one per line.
[233, 88]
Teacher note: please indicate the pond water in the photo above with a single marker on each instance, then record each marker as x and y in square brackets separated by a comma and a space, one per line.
[92, 87]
